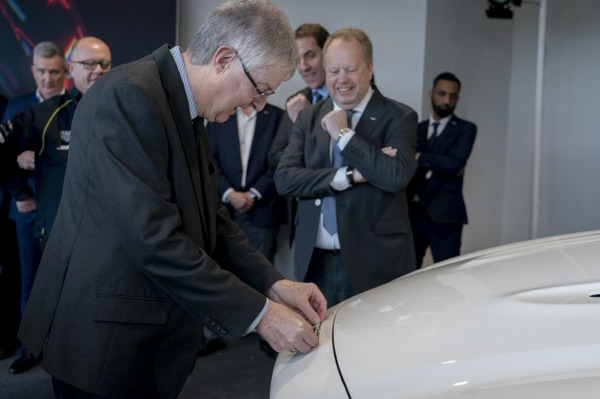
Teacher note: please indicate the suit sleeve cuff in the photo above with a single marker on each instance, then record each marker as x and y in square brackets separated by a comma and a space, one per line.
[258, 318]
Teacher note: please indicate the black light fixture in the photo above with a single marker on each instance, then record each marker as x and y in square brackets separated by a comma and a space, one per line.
[501, 8]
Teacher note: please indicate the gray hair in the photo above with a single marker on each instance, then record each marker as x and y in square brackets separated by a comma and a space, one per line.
[257, 29]
[49, 50]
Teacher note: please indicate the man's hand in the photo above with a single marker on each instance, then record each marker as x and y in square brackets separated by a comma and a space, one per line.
[334, 121]
[27, 205]
[296, 104]
[304, 298]
[285, 329]
[26, 160]
[389, 151]
[241, 201]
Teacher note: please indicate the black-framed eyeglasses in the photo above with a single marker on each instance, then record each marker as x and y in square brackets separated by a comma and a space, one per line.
[261, 93]
[90, 65]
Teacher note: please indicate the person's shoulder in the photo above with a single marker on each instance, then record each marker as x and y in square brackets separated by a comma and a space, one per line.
[306, 92]
[392, 103]
[19, 104]
[52, 103]
[273, 109]
[464, 123]
[28, 98]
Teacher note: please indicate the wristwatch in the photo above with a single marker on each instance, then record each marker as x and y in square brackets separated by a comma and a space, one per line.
[342, 132]
[350, 176]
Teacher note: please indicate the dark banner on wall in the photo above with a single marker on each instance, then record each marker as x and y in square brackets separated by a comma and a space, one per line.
[131, 28]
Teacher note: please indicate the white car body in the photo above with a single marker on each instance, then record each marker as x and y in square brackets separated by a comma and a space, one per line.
[516, 321]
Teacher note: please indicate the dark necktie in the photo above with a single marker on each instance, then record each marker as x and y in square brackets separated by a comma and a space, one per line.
[198, 126]
[328, 205]
[316, 97]
[434, 135]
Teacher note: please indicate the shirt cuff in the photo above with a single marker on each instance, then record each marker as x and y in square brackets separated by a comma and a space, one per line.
[345, 139]
[258, 318]
[339, 182]
[224, 198]
[256, 193]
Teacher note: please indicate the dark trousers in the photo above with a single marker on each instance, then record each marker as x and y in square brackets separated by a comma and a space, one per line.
[30, 255]
[262, 238]
[9, 283]
[328, 272]
[444, 239]
[62, 390]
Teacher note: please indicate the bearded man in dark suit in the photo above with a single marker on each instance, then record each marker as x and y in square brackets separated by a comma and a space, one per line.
[436, 204]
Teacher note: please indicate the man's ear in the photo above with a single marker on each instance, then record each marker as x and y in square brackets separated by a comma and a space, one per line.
[223, 57]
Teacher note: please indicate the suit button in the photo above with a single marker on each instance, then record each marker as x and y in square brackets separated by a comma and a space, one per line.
[318, 202]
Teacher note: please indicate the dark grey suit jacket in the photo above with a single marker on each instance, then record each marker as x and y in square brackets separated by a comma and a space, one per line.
[374, 230]
[442, 193]
[282, 137]
[130, 273]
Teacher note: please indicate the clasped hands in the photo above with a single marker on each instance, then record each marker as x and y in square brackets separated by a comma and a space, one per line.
[241, 201]
[293, 311]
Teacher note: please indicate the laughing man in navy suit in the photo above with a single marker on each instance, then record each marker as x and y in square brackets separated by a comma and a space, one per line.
[436, 204]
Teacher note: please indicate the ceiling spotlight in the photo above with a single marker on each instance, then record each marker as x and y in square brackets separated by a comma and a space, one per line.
[501, 8]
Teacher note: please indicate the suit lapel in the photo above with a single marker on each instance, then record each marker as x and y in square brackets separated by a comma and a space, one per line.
[259, 129]
[422, 136]
[371, 116]
[231, 138]
[323, 141]
[447, 136]
[198, 168]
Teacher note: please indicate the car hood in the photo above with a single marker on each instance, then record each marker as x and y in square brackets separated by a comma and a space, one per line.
[521, 320]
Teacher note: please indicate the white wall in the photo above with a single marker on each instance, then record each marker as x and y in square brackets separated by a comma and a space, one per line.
[570, 186]
[495, 59]
[462, 40]
[517, 187]
[396, 28]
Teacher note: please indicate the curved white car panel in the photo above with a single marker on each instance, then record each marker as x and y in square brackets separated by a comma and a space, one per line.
[294, 374]
[510, 322]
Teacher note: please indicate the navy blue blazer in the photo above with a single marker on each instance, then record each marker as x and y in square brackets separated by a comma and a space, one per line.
[441, 193]
[270, 210]
[14, 106]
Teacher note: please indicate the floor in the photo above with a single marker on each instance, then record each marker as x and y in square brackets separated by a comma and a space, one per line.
[240, 371]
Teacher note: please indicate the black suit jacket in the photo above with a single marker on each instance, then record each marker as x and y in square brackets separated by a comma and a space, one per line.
[373, 226]
[269, 211]
[129, 276]
[442, 193]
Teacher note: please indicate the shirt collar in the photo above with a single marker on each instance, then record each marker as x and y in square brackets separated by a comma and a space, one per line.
[359, 109]
[41, 99]
[242, 115]
[322, 91]
[443, 121]
[178, 58]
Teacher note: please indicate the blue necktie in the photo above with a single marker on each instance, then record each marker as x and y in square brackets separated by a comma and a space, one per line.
[316, 97]
[328, 206]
